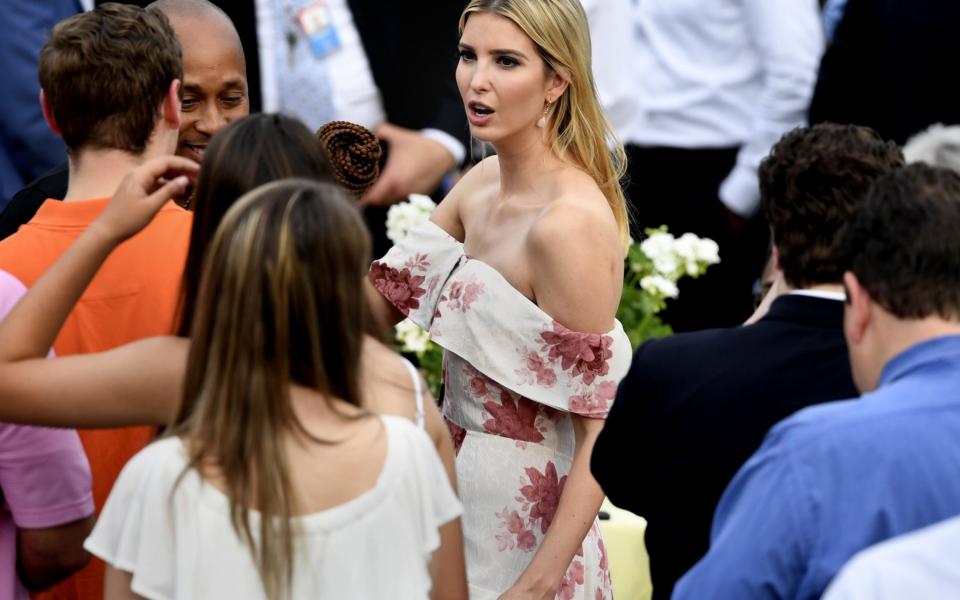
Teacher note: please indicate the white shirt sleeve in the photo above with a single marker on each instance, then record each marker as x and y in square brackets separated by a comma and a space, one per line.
[788, 38]
[135, 532]
[450, 143]
[431, 498]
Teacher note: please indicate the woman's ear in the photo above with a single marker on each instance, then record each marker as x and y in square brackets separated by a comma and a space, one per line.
[557, 84]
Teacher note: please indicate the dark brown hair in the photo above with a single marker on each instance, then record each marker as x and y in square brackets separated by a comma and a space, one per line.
[811, 185]
[247, 153]
[278, 306]
[105, 74]
[904, 245]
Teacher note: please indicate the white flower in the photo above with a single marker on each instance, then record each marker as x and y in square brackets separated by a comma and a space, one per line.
[666, 265]
[708, 251]
[657, 245]
[422, 202]
[659, 285]
[404, 216]
[412, 337]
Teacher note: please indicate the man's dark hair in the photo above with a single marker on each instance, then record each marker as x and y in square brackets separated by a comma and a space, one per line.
[104, 74]
[811, 185]
[904, 243]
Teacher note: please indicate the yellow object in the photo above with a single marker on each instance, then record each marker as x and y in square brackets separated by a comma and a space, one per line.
[626, 553]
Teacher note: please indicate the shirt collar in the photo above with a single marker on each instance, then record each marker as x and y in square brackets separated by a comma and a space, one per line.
[820, 294]
[919, 355]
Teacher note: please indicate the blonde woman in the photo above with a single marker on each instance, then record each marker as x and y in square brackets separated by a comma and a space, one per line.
[518, 277]
[274, 482]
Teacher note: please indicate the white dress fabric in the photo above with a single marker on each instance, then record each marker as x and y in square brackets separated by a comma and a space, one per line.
[178, 542]
[512, 378]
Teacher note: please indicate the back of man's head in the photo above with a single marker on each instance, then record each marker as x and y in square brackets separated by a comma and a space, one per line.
[105, 74]
[811, 185]
[904, 243]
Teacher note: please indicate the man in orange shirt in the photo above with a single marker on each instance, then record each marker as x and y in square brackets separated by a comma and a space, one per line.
[111, 85]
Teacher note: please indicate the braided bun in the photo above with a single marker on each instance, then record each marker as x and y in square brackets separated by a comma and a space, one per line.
[354, 153]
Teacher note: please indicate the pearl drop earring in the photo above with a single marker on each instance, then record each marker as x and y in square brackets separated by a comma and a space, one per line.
[542, 122]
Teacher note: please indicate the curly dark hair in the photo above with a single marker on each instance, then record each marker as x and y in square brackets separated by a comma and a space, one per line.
[904, 243]
[811, 185]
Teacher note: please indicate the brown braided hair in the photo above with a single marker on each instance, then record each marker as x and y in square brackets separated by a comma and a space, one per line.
[354, 154]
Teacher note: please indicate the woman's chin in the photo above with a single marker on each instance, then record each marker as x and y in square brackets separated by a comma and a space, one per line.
[483, 134]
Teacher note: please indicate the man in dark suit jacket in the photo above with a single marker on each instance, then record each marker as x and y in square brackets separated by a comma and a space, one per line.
[890, 67]
[695, 406]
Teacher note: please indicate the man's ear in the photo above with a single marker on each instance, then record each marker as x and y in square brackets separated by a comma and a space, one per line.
[171, 105]
[775, 257]
[859, 313]
[48, 114]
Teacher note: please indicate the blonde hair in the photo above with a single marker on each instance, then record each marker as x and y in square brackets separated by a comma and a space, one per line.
[278, 306]
[577, 126]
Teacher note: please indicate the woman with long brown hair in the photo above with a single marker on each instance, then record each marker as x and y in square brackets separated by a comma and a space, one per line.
[518, 276]
[274, 480]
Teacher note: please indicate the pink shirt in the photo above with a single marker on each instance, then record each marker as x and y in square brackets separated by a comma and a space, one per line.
[44, 476]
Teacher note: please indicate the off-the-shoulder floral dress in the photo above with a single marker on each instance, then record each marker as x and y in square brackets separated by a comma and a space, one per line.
[512, 378]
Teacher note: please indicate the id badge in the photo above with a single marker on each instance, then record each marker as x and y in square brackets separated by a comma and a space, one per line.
[317, 26]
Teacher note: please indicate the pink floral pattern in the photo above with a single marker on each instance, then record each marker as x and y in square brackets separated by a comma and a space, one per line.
[417, 262]
[535, 371]
[401, 287]
[457, 433]
[586, 354]
[542, 495]
[516, 534]
[515, 418]
[571, 581]
[461, 294]
[594, 402]
[513, 378]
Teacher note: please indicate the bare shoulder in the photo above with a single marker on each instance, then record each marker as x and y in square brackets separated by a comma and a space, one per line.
[578, 221]
[576, 260]
[474, 187]
[388, 387]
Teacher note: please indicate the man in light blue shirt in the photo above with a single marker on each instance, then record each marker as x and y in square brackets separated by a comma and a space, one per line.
[839, 477]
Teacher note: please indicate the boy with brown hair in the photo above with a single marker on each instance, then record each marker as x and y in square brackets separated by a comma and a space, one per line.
[111, 88]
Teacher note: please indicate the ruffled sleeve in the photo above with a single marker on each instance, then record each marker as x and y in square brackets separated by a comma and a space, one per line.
[412, 274]
[135, 531]
[428, 492]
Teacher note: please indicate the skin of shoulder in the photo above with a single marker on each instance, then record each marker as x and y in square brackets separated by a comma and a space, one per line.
[455, 208]
[576, 260]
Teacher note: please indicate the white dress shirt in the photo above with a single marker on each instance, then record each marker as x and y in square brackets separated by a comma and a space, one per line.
[724, 73]
[611, 35]
[923, 564]
[353, 92]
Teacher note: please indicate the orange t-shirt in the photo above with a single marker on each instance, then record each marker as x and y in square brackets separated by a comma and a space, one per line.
[133, 296]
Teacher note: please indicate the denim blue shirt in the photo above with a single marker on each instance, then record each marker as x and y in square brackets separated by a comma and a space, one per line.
[836, 478]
